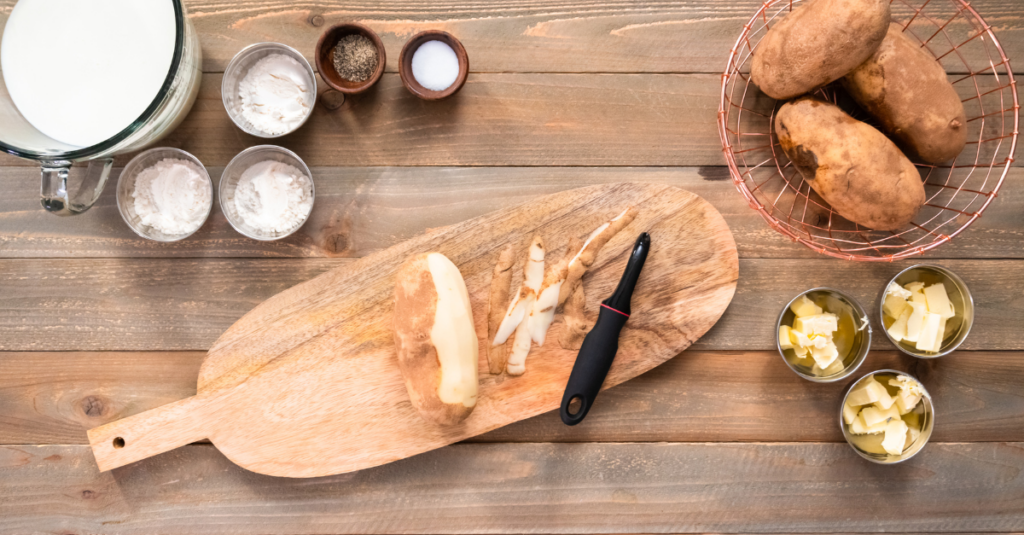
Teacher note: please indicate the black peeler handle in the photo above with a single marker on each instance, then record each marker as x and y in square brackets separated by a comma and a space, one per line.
[602, 342]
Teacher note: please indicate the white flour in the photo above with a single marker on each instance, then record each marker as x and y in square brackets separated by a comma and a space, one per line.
[276, 94]
[172, 196]
[274, 197]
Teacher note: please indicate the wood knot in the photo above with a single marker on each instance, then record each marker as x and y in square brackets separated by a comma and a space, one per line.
[89, 495]
[332, 99]
[94, 406]
[316, 21]
[336, 244]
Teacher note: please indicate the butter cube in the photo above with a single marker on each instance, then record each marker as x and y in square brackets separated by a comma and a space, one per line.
[823, 324]
[930, 329]
[938, 300]
[898, 291]
[850, 413]
[870, 391]
[906, 401]
[785, 342]
[873, 415]
[915, 322]
[914, 287]
[805, 307]
[858, 427]
[832, 369]
[898, 329]
[893, 306]
[825, 356]
[919, 297]
[801, 352]
[895, 437]
[800, 339]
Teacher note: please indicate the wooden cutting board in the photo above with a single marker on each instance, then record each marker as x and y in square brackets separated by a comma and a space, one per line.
[307, 383]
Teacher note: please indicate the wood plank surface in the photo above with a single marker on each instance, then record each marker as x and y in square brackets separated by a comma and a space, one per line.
[540, 36]
[185, 304]
[527, 488]
[514, 119]
[362, 210]
[699, 396]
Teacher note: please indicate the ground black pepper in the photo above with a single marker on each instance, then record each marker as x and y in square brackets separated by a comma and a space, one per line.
[355, 58]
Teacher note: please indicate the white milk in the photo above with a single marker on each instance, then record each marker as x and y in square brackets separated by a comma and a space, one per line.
[82, 70]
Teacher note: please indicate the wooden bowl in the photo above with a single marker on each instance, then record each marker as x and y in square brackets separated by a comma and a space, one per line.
[325, 57]
[405, 64]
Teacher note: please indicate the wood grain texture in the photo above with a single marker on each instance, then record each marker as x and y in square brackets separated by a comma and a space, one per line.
[497, 120]
[537, 488]
[172, 304]
[307, 384]
[533, 36]
[699, 396]
[363, 210]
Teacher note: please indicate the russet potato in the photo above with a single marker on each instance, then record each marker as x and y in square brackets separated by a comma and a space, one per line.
[818, 43]
[854, 167]
[436, 339]
[903, 87]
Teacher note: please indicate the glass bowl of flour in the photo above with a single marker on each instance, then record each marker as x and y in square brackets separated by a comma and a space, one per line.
[268, 90]
[266, 192]
[164, 194]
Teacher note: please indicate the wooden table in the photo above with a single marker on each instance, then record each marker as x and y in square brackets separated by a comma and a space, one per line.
[96, 324]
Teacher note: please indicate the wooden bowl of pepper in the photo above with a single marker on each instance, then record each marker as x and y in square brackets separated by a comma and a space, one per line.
[350, 57]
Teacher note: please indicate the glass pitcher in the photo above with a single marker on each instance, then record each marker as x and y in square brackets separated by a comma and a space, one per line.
[63, 194]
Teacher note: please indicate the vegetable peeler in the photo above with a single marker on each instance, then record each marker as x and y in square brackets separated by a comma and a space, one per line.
[602, 342]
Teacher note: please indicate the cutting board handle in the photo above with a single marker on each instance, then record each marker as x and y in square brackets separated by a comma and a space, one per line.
[149, 433]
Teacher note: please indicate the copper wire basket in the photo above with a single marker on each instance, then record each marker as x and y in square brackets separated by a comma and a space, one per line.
[957, 193]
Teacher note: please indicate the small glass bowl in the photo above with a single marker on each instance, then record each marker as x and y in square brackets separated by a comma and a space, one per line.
[233, 172]
[239, 67]
[859, 347]
[925, 409]
[126, 188]
[959, 296]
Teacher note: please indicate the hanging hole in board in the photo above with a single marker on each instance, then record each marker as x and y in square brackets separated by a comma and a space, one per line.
[118, 443]
[575, 405]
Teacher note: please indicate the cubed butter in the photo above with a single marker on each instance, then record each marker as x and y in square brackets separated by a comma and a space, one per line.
[895, 437]
[801, 352]
[868, 392]
[800, 339]
[898, 329]
[825, 356]
[832, 369]
[858, 427]
[898, 291]
[874, 415]
[850, 413]
[803, 306]
[918, 297]
[915, 286]
[929, 331]
[938, 300]
[893, 306]
[785, 342]
[823, 324]
[915, 322]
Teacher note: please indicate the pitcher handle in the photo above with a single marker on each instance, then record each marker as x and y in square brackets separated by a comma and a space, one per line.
[61, 197]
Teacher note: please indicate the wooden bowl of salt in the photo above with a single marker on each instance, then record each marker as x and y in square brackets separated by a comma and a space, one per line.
[433, 65]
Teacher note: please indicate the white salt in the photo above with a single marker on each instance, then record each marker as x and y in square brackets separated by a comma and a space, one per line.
[435, 65]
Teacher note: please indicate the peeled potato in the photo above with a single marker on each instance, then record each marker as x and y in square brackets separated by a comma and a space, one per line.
[436, 339]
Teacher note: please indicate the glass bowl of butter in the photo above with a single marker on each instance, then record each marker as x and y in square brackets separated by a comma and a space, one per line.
[887, 416]
[823, 335]
[927, 311]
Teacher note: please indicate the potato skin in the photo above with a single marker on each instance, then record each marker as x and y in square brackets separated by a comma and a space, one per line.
[903, 87]
[818, 43]
[853, 166]
[415, 307]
